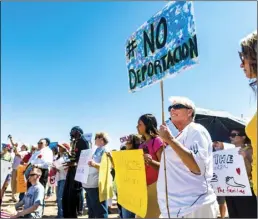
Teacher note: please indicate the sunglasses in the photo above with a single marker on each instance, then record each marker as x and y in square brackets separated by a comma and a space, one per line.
[178, 106]
[233, 135]
[40, 142]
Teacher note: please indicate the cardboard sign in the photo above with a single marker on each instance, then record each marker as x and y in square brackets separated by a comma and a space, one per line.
[163, 46]
[131, 181]
[21, 182]
[229, 176]
[105, 179]
[6, 168]
[82, 170]
[124, 139]
[59, 163]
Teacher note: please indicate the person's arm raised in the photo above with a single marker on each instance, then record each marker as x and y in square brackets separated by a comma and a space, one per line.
[187, 156]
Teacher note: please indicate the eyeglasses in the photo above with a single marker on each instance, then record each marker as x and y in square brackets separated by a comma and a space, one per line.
[233, 135]
[40, 142]
[178, 106]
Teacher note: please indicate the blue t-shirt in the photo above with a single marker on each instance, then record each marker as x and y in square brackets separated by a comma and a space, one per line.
[35, 195]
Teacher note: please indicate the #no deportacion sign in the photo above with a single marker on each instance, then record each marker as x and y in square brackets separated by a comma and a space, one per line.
[163, 46]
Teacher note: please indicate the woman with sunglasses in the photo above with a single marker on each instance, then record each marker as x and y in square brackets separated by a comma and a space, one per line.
[248, 57]
[187, 166]
[242, 206]
[152, 147]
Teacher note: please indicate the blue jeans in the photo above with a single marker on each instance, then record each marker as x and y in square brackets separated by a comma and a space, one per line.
[127, 214]
[60, 190]
[21, 196]
[96, 209]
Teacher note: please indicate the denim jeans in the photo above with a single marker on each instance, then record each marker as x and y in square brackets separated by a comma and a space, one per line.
[60, 190]
[21, 196]
[127, 214]
[96, 209]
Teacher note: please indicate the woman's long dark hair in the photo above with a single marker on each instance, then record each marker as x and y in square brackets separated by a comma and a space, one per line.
[151, 125]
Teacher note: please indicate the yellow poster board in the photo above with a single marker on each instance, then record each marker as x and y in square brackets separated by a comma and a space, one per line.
[105, 179]
[21, 182]
[131, 181]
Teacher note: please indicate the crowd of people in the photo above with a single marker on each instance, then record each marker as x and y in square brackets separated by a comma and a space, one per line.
[184, 156]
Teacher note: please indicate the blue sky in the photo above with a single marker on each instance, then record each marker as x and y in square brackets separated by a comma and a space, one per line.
[63, 64]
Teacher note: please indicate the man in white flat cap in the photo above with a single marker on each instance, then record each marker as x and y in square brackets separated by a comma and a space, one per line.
[189, 166]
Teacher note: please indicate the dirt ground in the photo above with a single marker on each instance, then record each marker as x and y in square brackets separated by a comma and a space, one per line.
[50, 210]
[51, 207]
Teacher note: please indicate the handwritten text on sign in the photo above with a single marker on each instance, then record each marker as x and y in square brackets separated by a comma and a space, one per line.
[230, 177]
[82, 170]
[163, 46]
[131, 181]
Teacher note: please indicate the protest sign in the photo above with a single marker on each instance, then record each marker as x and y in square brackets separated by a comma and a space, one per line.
[124, 139]
[59, 163]
[52, 176]
[5, 170]
[82, 170]
[163, 46]
[131, 181]
[229, 176]
[21, 182]
[105, 179]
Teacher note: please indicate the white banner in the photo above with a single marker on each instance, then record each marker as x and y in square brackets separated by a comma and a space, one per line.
[5, 170]
[82, 171]
[230, 177]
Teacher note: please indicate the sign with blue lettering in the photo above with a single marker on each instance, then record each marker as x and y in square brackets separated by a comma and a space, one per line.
[163, 46]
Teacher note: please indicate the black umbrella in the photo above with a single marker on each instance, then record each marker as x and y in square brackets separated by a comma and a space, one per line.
[218, 123]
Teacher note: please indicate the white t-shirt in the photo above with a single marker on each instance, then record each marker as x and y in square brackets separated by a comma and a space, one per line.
[61, 174]
[187, 191]
[46, 159]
